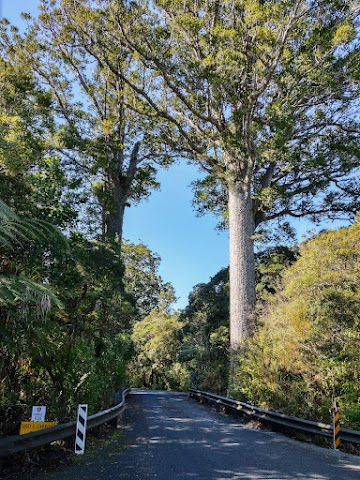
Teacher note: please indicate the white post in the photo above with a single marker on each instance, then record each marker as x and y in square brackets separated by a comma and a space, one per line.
[81, 429]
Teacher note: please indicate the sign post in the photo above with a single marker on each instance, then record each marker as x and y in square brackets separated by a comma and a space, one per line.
[81, 429]
[336, 427]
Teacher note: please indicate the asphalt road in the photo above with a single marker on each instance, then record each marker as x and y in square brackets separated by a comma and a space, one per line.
[169, 437]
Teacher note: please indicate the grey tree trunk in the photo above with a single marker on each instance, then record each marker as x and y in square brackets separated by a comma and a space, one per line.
[114, 218]
[119, 184]
[242, 264]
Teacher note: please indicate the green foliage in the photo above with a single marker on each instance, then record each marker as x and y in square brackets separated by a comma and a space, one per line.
[13, 232]
[262, 96]
[258, 93]
[205, 346]
[78, 352]
[142, 279]
[270, 264]
[32, 182]
[73, 354]
[15, 229]
[25, 112]
[105, 145]
[156, 362]
[305, 353]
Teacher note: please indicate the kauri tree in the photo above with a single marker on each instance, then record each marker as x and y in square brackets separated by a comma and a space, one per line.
[106, 148]
[260, 94]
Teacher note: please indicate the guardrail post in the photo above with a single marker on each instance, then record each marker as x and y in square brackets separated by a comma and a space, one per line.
[336, 426]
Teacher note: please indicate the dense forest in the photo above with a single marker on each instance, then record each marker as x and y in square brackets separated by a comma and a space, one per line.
[95, 98]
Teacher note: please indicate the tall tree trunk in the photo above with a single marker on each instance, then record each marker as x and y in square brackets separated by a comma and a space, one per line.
[119, 184]
[242, 264]
[114, 218]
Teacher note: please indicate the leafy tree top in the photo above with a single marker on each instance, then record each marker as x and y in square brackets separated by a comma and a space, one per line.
[259, 93]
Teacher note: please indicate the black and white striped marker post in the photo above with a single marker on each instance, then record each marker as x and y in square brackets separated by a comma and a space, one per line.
[81, 429]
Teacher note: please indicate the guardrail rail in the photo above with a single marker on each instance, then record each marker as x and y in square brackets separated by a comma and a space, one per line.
[307, 426]
[18, 443]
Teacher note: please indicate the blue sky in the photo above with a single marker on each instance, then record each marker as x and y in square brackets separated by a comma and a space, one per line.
[190, 248]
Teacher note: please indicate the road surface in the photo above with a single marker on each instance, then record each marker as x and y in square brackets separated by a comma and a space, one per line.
[169, 437]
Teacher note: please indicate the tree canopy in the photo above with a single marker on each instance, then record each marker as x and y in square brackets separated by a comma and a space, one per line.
[260, 94]
[107, 149]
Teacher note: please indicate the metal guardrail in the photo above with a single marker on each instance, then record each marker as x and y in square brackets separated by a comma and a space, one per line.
[307, 426]
[19, 443]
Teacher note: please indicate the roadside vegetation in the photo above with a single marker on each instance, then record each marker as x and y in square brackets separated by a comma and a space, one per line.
[95, 98]
[304, 353]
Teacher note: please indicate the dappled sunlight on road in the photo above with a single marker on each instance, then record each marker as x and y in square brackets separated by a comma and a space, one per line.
[350, 466]
[196, 442]
[168, 437]
[259, 475]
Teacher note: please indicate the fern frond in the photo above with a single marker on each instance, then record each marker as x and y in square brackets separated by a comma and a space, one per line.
[6, 213]
[16, 289]
[15, 229]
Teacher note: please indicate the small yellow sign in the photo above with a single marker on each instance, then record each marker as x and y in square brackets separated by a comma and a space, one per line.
[27, 427]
